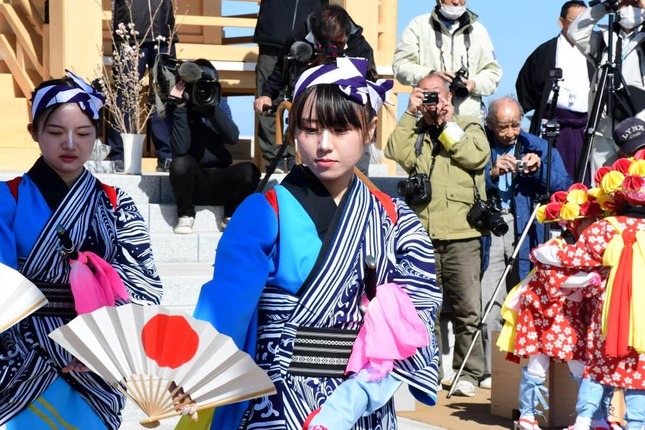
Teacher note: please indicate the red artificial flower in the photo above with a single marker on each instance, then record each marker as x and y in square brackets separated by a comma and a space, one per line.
[633, 182]
[621, 165]
[602, 171]
[578, 186]
[559, 197]
[552, 211]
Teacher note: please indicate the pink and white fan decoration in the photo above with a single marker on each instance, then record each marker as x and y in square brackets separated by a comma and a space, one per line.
[152, 354]
[19, 299]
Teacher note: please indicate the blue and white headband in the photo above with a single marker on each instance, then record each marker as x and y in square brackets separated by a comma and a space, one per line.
[349, 74]
[88, 99]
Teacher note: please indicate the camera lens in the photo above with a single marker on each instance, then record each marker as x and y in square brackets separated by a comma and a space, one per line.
[405, 188]
[459, 89]
[205, 93]
[496, 224]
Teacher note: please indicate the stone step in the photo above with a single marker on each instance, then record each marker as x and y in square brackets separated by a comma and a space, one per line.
[182, 283]
[184, 248]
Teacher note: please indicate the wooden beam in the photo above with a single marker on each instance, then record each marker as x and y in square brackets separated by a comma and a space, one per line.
[23, 37]
[18, 72]
[205, 21]
[188, 51]
[31, 14]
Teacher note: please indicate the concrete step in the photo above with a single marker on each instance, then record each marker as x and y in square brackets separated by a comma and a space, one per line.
[184, 248]
[182, 283]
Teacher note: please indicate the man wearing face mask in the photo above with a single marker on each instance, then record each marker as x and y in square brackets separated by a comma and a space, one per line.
[535, 87]
[629, 57]
[448, 41]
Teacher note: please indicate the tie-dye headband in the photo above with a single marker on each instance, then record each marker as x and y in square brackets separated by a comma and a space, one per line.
[88, 99]
[349, 74]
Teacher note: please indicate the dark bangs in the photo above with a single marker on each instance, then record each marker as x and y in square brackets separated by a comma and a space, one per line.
[332, 108]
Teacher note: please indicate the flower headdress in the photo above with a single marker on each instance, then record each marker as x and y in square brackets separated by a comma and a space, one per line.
[567, 207]
[624, 181]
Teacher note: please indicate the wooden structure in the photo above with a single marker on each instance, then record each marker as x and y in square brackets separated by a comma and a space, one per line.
[39, 39]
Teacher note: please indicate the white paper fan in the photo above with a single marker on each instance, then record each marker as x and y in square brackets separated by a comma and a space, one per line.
[150, 348]
[19, 299]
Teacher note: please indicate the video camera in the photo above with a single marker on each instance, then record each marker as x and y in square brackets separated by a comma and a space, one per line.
[203, 89]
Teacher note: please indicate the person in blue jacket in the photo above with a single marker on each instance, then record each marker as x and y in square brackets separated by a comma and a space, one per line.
[517, 177]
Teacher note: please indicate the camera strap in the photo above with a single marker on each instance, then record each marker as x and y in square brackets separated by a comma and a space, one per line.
[439, 42]
[418, 147]
[475, 189]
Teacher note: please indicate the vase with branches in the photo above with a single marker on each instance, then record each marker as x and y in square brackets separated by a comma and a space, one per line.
[122, 80]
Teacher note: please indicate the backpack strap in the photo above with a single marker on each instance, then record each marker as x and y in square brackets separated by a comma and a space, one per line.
[383, 198]
[13, 186]
[272, 198]
[109, 190]
[387, 202]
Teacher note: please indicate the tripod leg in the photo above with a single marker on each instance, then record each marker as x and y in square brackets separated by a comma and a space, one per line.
[490, 305]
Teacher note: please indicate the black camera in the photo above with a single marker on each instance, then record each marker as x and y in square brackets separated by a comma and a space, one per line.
[457, 86]
[487, 215]
[416, 189]
[202, 89]
[430, 98]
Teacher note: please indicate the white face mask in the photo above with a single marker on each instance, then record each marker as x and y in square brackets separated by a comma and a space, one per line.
[452, 13]
[631, 17]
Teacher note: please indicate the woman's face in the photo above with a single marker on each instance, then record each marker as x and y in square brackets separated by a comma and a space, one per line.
[330, 154]
[66, 140]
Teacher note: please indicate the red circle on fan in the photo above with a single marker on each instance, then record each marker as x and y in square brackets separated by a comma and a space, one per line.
[169, 340]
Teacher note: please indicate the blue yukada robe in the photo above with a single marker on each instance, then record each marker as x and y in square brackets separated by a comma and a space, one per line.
[100, 219]
[293, 259]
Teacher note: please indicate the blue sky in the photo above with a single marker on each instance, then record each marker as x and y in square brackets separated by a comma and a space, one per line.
[516, 28]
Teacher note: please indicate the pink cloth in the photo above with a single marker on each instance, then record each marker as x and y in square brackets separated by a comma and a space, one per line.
[95, 283]
[392, 330]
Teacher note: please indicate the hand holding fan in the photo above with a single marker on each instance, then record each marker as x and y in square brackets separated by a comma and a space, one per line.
[19, 299]
[152, 354]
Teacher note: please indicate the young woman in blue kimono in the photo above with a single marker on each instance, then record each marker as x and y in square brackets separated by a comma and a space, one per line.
[37, 388]
[290, 270]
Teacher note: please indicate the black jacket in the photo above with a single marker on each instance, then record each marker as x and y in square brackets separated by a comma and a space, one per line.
[202, 138]
[533, 85]
[277, 19]
[357, 46]
[143, 12]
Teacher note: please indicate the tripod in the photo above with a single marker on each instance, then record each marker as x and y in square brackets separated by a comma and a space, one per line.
[606, 100]
[551, 132]
[490, 305]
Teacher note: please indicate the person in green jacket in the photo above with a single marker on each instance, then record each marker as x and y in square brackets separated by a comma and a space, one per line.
[451, 152]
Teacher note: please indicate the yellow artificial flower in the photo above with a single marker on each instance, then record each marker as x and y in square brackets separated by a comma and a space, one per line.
[570, 211]
[577, 197]
[637, 168]
[540, 215]
[611, 181]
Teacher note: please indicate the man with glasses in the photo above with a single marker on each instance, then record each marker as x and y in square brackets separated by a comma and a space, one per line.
[516, 175]
[534, 87]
